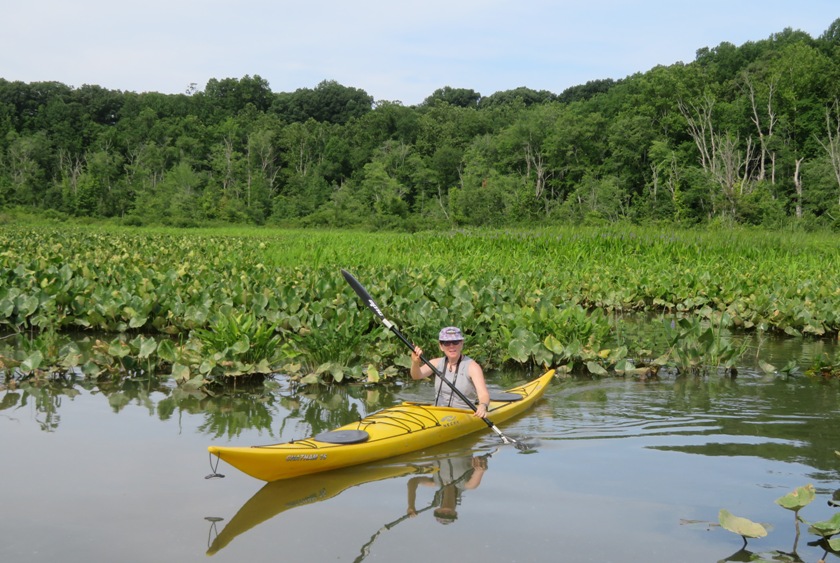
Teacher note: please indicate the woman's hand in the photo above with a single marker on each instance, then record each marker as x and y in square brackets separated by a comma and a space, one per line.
[481, 410]
[415, 355]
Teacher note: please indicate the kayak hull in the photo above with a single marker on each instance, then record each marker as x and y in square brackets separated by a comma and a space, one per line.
[390, 432]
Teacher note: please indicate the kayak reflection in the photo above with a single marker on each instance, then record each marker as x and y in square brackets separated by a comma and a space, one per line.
[450, 475]
[279, 496]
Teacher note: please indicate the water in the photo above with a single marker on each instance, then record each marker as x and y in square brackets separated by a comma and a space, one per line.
[622, 471]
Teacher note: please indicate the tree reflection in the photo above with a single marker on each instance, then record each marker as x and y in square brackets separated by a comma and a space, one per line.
[44, 396]
[276, 407]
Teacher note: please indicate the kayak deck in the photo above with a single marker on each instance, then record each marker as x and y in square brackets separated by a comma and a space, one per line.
[396, 430]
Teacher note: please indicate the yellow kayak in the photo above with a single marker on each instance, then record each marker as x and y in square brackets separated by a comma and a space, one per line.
[393, 431]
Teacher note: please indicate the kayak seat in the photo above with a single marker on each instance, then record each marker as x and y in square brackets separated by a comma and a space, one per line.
[502, 397]
[343, 436]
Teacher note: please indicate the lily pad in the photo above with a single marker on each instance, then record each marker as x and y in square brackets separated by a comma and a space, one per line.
[798, 499]
[741, 526]
[826, 528]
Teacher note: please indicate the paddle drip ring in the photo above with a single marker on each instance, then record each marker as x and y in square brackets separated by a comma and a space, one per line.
[214, 468]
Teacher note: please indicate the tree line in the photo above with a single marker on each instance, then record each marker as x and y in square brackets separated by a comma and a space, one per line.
[744, 134]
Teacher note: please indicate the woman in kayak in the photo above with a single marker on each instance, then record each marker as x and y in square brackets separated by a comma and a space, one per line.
[460, 370]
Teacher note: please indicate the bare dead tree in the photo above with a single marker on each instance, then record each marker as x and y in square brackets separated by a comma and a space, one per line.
[670, 177]
[832, 147]
[720, 155]
[71, 168]
[763, 137]
[228, 176]
[535, 162]
[797, 182]
[699, 119]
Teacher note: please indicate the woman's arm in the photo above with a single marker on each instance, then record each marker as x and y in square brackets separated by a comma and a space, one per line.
[419, 370]
[477, 377]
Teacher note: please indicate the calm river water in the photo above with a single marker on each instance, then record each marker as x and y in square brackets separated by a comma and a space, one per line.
[622, 471]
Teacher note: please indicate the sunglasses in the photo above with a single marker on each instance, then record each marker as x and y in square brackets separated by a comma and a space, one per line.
[452, 343]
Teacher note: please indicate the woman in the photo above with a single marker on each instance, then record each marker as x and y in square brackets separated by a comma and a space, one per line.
[460, 370]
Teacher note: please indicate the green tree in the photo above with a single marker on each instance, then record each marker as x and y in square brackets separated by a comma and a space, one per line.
[458, 97]
[328, 102]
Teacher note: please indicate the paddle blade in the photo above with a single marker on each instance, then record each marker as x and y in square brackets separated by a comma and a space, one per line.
[364, 295]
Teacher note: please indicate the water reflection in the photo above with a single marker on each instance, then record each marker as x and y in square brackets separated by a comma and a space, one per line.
[45, 399]
[275, 408]
[449, 475]
[790, 420]
[280, 496]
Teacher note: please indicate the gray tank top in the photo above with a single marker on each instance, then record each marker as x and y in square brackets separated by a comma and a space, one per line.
[444, 396]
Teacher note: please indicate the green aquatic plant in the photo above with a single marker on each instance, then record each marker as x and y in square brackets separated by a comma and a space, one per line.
[826, 528]
[742, 526]
[698, 346]
[798, 499]
[825, 367]
[527, 298]
[241, 337]
[795, 501]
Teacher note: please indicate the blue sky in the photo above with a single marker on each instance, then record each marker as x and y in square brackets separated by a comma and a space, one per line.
[394, 50]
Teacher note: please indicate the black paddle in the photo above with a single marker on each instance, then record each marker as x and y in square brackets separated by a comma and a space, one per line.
[368, 300]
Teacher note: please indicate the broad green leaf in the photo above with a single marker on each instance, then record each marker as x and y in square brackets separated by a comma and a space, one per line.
[241, 346]
[147, 347]
[741, 526]
[826, 528]
[372, 374]
[834, 544]
[119, 348]
[30, 305]
[6, 308]
[180, 372]
[765, 367]
[595, 368]
[625, 366]
[518, 351]
[661, 360]
[311, 379]
[553, 344]
[337, 372]
[166, 351]
[542, 356]
[798, 499]
[32, 362]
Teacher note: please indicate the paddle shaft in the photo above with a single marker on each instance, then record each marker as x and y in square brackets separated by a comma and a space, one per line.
[368, 300]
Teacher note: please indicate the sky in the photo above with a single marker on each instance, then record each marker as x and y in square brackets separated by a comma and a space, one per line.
[395, 50]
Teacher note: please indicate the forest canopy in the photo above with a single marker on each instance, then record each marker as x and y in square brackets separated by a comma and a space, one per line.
[744, 134]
